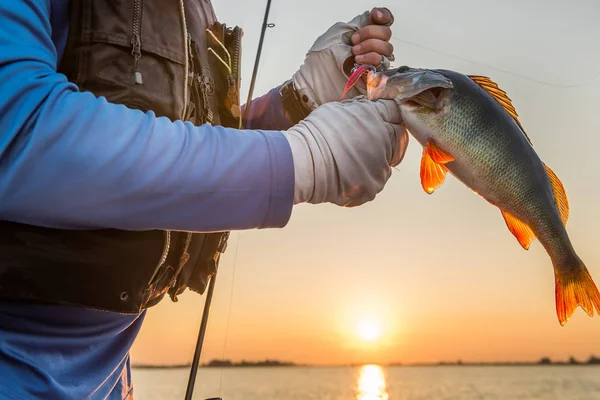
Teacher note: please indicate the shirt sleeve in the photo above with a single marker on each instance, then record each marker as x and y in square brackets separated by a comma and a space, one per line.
[266, 112]
[71, 160]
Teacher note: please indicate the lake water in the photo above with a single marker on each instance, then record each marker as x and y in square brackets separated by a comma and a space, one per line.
[374, 383]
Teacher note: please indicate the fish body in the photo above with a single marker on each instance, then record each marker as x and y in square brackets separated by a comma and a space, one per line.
[490, 154]
[468, 126]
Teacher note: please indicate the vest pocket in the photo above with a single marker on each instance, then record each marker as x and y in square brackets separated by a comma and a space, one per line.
[123, 58]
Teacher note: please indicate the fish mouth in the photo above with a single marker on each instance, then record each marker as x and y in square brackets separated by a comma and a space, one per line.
[408, 86]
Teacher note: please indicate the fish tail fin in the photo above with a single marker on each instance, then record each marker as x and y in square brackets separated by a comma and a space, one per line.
[575, 288]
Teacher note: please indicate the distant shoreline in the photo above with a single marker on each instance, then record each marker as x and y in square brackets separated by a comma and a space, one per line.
[275, 363]
[224, 364]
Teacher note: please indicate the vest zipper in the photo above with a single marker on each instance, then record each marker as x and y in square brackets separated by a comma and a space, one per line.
[136, 42]
[233, 79]
[189, 69]
[237, 38]
[184, 254]
[186, 72]
[163, 256]
[186, 63]
[204, 85]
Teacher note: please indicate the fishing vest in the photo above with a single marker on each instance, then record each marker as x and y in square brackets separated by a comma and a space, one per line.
[175, 59]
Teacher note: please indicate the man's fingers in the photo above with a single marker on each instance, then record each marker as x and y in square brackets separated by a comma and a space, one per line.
[381, 16]
[383, 33]
[369, 59]
[374, 46]
[372, 41]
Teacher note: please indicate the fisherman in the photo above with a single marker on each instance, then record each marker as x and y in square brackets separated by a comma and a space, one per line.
[125, 163]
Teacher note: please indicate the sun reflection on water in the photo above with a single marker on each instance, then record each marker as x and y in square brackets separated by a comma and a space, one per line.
[371, 384]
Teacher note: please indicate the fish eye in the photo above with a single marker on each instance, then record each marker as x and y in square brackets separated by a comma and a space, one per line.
[402, 69]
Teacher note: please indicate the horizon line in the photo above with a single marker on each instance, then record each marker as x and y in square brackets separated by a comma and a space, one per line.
[269, 363]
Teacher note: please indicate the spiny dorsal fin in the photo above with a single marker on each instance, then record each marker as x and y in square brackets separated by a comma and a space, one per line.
[560, 196]
[500, 96]
[520, 229]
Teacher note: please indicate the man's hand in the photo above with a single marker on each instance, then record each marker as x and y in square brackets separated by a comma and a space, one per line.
[372, 41]
[343, 151]
[365, 39]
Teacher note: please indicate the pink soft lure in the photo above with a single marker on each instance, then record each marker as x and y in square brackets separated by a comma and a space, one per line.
[356, 74]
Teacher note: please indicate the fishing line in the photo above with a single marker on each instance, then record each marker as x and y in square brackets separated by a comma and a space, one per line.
[235, 257]
[587, 82]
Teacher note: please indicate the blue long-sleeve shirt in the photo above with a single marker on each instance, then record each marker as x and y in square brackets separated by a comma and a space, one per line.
[72, 160]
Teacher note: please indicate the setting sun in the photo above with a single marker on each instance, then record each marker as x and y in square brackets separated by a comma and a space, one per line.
[369, 330]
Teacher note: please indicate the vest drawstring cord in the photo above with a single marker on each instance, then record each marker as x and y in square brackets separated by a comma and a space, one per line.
[227, 64]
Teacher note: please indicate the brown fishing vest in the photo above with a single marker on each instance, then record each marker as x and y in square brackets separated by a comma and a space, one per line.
[171, 57]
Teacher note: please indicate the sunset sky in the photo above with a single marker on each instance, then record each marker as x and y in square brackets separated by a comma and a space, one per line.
[440, 276]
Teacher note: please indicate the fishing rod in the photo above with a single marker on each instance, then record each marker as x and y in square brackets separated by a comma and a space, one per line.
[265, 25]
[203, 324]
[196, 360]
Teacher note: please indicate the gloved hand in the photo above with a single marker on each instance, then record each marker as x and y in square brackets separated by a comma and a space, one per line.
[343, 151]
[324, 74]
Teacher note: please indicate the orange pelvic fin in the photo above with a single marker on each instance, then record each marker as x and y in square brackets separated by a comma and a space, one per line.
[560, 196]
[432, 173]
[575, 288]
[520, 229]
[438, 155]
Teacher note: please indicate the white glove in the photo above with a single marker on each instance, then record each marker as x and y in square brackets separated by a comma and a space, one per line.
[343, 151]
[322, 76]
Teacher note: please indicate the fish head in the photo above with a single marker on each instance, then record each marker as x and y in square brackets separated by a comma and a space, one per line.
[423, 95]
[405, 84]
